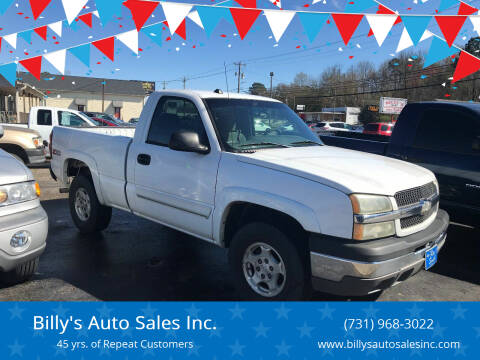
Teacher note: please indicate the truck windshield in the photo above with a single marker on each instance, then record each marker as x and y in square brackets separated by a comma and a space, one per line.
[245, 124]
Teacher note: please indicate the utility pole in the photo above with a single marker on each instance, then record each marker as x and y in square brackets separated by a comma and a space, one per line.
[271, 84]
[103, 96]
[184, 82]
[239, 74]
[164, 84]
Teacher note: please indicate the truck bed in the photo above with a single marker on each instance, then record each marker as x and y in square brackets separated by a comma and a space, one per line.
[374, 144]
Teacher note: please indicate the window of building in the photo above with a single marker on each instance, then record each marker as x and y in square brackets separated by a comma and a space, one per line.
[118, 112]
[81, 108]
[44, 117]
[447, 130]
[171, 115]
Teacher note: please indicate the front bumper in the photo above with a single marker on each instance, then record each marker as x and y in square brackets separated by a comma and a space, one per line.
[34, 221]
[345, 267]
[36, 156]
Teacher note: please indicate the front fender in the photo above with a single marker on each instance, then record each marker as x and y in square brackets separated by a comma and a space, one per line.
[230, 195]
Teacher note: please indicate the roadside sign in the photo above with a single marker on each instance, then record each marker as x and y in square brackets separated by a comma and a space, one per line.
[301, 107]
[373, 108]
[392, 105]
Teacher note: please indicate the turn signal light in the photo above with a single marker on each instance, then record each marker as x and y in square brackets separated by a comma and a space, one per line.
[37, 189]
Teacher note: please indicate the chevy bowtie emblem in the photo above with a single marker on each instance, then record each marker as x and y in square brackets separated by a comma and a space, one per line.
[426, 206]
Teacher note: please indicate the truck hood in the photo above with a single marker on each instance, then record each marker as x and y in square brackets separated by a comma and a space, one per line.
[345, 170]
[12, 171]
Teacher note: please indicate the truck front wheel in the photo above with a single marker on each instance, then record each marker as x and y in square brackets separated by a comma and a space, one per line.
[87, 213]
[266, 264]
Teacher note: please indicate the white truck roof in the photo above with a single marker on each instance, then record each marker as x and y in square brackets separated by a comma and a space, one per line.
[205, 94]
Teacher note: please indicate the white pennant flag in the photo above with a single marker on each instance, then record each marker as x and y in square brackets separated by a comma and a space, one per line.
[381, 25]
[57, 27]
[57, 59]
[130, 39]
[11, 39]
[278, 3]
[196, 18]
[175, 13]
[278, 21]
[406, 41]
[72, 8]
[476, 23]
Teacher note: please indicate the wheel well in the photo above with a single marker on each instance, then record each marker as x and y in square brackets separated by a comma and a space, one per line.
[15, 149]
[77, 167]
[242, 213]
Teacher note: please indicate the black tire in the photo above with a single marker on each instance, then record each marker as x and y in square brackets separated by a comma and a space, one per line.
[296, 283]
[99, 216]
[21, 273]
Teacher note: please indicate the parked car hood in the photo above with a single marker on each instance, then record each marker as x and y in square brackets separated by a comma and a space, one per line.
[21, 130]
[345, 170]
[11, 170]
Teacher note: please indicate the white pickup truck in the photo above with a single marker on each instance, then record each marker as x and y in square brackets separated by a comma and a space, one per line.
[292, 212]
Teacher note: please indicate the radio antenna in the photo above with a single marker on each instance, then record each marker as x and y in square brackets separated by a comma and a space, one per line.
[226, 79]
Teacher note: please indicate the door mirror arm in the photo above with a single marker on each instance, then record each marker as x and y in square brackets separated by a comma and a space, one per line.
[187, 141]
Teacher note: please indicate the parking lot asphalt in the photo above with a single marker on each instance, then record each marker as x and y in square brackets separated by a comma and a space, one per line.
[135, 259]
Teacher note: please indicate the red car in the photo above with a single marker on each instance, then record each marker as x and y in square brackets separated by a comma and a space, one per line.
[384, 129]
[104, 122]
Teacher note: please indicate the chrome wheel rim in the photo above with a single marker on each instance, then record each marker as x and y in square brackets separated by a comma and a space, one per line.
[82, 204]
[264, 269]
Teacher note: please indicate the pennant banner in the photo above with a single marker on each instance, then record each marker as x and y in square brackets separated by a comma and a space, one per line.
[82, 53]
[467, 65]
[73, 7]
[439, 50]
[312, 23]
[4, 5]
[9, 72]
[347, 24]
[211, 16]
[38, 6]
[154, 33]
[416, 26]
[58, 60]
[278, 21]
[381, 26]
[130, 39]
[106, 9]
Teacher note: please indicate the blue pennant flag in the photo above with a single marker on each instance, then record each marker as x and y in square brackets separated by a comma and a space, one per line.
[211, 16]
[154, 32]
[108, 8]
[9, 72]
[4, 5]
[445, 4]
[416, 26]
[312, 23]
[82, 53]
[26, 35]
[439, 50]
[359, 6]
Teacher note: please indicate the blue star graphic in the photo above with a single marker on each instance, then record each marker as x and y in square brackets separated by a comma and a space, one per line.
[394, 333]
[171, 334]
[372, 352]
[61, 311]
[370, 312]
[283, 349]
[59, 351]
[327, 312]
[104, 311]
[237, 312]
[459, 312]
[16, 349]
[148, 311]
[261, 330]
[83, 332]
[438, 331]
[237, 349]
[415, 352]
[194, 350]
[305, 330]
[16, 312]
[193, 311]
[477, 330]
[415, 311]
[282, 311]
[217, 332]
[461, 351]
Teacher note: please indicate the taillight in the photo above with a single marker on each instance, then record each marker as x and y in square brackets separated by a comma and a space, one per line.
[50, 144]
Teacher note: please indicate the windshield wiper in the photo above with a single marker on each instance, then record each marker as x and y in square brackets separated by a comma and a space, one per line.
[266, 144]
[306, 142]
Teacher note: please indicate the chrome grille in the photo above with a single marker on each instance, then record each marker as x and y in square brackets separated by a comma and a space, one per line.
[412, 197]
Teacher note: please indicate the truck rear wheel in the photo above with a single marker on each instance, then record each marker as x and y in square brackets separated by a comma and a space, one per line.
[87, 213]
[266, 264]
[21, 273]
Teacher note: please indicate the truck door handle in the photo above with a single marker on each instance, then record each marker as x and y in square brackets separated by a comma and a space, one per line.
[144, 159]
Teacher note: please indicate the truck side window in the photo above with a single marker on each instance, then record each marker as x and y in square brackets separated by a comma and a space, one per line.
[171, 115]
[44, 117]
[69, 119]
[447, 130]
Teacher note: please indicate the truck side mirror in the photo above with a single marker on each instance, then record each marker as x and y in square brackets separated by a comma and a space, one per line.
[1, 131]
[187, 141]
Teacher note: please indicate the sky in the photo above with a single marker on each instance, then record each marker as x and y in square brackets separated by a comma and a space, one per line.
[201, 59]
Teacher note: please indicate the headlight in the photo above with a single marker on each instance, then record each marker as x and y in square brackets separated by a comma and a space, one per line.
[369, 205]
[18, 193]
[37, 141]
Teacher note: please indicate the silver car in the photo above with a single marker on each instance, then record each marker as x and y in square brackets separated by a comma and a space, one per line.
[23, 222]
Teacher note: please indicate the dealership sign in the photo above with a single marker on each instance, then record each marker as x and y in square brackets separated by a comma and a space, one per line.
[392, 105]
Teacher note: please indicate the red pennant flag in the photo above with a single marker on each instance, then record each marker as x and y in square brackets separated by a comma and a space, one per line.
[87, 19]
[106, 46]
[38, 6]
[1, 44]
[141, 11]
[347, 24]
[42, 32]
[182, 30]
[466, 9]
[244, 19]
[252, 4]
[33, 65]
[467, 65]
[450, 26]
